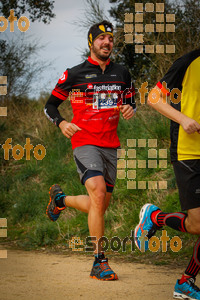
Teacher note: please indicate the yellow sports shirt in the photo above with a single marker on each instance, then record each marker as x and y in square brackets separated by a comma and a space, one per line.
[184, 75]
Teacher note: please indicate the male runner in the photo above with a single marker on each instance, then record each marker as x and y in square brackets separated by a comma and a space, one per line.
[103, 87]
[184, 113]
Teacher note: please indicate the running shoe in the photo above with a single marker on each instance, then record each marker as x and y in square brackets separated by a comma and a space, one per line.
[186, 290]
[53, 211]
[146, 228]
[102, 271]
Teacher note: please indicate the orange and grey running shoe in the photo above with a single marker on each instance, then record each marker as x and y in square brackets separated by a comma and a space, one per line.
[102, 271]
[53, 211]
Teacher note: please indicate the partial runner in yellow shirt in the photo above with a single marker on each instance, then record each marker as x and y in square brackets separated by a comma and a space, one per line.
[182, 84]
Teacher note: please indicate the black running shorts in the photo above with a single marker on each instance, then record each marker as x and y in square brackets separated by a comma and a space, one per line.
[188, 180]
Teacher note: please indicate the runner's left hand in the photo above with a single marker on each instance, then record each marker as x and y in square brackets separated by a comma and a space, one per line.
[127, 111]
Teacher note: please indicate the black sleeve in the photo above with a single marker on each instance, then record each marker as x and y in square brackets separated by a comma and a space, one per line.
[175, 75]
[51, 110]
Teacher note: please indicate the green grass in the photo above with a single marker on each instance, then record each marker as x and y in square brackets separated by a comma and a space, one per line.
[24, 184]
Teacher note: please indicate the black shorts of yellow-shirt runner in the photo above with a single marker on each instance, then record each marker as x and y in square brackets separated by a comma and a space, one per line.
[184, 75]
[93, 161]
[188, 180]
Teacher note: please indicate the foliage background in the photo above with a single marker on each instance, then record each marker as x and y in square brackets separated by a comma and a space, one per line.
[24, 184]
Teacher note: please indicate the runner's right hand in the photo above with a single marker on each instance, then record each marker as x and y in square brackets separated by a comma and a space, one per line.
[68, 129]
[190, 125]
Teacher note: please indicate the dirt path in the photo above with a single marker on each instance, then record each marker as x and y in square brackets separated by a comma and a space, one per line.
[41, 276]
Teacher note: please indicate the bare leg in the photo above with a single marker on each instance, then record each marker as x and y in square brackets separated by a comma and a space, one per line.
[96, 188]
[95, 205]
[82, 202]
[192, 222]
